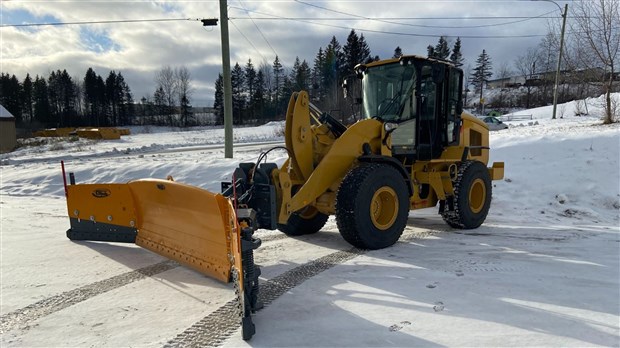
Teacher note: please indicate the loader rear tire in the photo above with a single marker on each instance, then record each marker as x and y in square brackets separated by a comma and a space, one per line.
[372, 206]
[472, 196]
[307, 221]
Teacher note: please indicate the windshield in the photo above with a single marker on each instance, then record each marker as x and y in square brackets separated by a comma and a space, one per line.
[387, 92]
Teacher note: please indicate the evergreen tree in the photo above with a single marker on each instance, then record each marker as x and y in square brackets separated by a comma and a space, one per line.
[365, 56]
[218, 104]
[430, 51]
[355, 51]
[331, 69]
[159, 98]
[334, 62]
[398, 52]
[316, 92]
[482, 72]
[27, 99]
[238, 98]
[442, 51]
[61, 93]
[250, 86]
[278, 81]
[112, 98]
[186, 110]
[125, 100]
[91, 97]
[10, 95]
[300, 75]
[258, 98]
[41, 101]
[101, 101]
[457, 56]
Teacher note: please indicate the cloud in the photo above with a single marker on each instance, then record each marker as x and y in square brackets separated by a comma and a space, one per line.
[139, 50]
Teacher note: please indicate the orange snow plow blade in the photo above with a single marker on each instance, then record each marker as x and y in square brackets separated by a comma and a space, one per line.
[192, 226]
[184, 223]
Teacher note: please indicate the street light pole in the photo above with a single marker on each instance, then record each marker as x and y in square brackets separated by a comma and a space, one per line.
[557, 70]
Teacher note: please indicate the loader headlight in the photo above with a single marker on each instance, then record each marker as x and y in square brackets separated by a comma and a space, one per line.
[390, 126]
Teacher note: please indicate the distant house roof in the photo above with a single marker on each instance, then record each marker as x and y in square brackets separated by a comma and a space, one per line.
[4, 113]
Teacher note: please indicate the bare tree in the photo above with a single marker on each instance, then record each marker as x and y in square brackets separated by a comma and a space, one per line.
[184, 91]
[546, 65]
[166, 84]
[526, 66]
[467, 76]
[504, 72]
[597, 33]
[267, 71]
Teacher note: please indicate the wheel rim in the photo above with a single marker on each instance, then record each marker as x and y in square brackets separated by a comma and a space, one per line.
[384, 208]
[308, 212]
[477, 195]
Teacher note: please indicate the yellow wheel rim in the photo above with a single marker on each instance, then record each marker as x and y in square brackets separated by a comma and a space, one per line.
[308, 212]
[477, 196]
[384, 208]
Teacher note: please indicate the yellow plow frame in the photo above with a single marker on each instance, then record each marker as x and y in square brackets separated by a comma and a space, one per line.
[192, 226]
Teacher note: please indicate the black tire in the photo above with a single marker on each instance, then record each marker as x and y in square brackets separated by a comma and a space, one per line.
[307, 221]
[368, 187]
[472, 196]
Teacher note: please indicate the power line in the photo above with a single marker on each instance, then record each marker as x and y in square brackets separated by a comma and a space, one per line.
[260, 31]
[420, 25]
[402, 18]
[248, 40]
[394, 32]
[98, 22]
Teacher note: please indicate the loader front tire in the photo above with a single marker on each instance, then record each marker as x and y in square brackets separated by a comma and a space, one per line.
[307, 221]
[372, 206]
[472, 196]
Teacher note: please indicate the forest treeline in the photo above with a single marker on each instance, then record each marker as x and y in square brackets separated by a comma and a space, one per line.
[260, 93]
[59, 100]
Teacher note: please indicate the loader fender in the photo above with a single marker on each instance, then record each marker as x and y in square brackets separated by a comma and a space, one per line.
[336, 163]
[372, 158]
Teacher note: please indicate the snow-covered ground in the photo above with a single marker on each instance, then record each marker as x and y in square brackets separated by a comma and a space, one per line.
[544, 270]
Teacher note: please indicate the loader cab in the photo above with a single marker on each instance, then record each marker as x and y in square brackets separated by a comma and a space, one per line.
[419, 101]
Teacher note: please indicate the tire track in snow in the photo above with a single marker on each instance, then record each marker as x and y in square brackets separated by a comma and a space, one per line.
[23, 317]
[215, 328]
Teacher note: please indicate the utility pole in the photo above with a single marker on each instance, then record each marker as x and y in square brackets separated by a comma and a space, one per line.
[228, 120]
[557, 71]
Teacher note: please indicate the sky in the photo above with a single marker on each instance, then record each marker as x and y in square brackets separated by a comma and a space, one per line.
[259, 30]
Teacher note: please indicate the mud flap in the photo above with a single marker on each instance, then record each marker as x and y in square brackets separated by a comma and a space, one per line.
[187, 224]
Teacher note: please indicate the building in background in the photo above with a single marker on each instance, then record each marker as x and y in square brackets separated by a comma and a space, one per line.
[8, 135]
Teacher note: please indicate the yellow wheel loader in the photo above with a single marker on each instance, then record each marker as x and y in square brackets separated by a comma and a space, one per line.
[414, 148]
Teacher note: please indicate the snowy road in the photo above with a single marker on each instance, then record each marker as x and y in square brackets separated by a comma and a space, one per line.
[498, 285]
